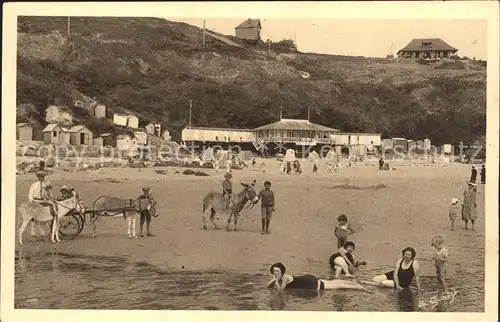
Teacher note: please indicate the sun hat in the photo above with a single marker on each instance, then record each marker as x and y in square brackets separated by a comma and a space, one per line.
[40, 173]
[454, 201]
[64, 188]
[48, 185]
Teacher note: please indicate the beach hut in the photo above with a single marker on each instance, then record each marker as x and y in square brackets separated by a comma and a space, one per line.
[24, 132]
[80, 135]
[56, 134]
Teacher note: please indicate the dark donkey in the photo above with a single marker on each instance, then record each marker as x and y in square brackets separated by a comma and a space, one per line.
[214, 201]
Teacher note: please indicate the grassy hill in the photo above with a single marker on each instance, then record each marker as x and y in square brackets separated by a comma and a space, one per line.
[152, 67]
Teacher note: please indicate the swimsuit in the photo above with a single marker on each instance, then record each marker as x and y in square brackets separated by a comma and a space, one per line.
[334, 256]
[405, 276]
[305, 282]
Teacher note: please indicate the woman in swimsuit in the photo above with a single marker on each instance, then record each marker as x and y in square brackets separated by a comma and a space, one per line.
[406, 270]
[281, 280]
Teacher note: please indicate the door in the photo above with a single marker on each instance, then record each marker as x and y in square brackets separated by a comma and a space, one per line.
[82, 138]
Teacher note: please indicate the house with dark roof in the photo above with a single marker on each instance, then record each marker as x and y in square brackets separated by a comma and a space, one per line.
[249, 29]
[434, 48]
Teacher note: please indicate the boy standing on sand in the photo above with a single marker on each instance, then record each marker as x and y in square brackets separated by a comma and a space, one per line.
[440, 260]
[146, 205]
[267, 207]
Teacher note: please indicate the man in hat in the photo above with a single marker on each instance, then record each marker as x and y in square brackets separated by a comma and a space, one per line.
[146, 205]
[36, 190]
[227, 189]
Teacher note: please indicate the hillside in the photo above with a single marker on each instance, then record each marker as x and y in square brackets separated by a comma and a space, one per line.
[152, 67]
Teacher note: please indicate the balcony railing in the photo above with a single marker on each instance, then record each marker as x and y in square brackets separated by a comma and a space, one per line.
[308, 141]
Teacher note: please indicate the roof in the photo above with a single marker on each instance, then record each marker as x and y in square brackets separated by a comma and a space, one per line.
[50, 127]
[249, 23]
[435, 44]
[22, 124]
[216, 129]
[291, 124]
[78, 128]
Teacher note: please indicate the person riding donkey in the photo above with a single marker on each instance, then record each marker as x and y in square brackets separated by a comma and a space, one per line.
[146, 204]
[41, 193]
[227, 190]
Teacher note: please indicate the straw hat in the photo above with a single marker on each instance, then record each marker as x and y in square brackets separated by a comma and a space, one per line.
[40, 174]
[64, 188]
[454, 201]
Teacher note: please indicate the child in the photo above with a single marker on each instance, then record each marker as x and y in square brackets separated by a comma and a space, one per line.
[342, 230]
[315, 168]
[440, 260]
[227, 189]
[266, 196]
[454, 209]
[344, 261]
[146, 204]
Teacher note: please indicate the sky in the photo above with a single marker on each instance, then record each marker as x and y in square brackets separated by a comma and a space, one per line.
[356, 37]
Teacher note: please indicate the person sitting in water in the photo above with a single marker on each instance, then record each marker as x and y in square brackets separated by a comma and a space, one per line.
[283, 280]
[343, 260]
[406, 270]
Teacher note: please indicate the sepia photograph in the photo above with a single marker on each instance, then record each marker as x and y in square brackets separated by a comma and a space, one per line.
[251, 161]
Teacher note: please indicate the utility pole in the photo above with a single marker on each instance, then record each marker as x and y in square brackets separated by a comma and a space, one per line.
[281, 112]
[295, 34]
[69, 25]
[190, 111]
[204, 32]
[308, 113]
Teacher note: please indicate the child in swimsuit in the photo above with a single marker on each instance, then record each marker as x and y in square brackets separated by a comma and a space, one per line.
[453, 211]
[342, 230]
[440, 260]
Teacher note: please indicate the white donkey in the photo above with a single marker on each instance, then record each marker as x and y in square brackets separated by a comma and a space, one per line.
[214, 201]
[32, 211]
[118, 208]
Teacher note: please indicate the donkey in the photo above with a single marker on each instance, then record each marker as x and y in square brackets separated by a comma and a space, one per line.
[214, 201]
[118, 208]
[38, 213]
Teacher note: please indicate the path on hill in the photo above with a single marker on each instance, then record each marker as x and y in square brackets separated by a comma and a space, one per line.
[223, 39]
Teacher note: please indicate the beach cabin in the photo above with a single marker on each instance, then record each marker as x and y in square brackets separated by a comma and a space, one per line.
[55, 134]
[126, 142]
[24, 132]
[100, 111]
[80, 135]
[142, 137]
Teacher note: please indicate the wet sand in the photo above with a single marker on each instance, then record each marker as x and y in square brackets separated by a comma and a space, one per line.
[389, 209]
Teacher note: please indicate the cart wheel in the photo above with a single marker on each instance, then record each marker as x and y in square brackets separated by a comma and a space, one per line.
[70, 225]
